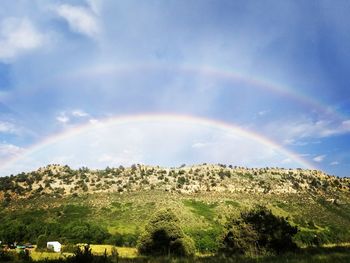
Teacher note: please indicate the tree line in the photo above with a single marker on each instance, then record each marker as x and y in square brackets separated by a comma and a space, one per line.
[257, 231]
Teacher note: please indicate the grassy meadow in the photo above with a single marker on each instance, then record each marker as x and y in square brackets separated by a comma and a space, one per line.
[326, 254]
[202, 216]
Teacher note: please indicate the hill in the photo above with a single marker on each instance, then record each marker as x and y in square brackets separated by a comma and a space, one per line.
[113, 205]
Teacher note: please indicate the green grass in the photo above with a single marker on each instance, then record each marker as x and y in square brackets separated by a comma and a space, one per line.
[232, 203]
[37, 256]
[201, 208]
[199, 214]
[124, 252]
[338, 254]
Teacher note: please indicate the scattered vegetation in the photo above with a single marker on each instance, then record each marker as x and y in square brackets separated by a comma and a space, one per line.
[58, 181]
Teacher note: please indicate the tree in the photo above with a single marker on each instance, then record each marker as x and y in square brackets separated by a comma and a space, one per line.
[258, 231]
[78, 231]
[164, 236]
[241, 238]
[12, 231]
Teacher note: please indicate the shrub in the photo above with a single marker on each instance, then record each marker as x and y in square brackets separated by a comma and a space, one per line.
[83, 255]
[41, 242]
[206, 240]
[123, 240]
[6, 256]
[259, 231]
[24, 256]
[163, 236]
[85, 232]
[69, 248]
[241, 238]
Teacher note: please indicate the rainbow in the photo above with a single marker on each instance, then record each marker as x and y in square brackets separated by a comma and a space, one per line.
[310, 103]
[151, 117]
[296, 96]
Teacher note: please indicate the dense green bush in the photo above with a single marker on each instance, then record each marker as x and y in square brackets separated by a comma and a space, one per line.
[241, 238]
[258, 231]
[83, 232]
[123, 240]
[163, 236]
[41, 242]
[206, 240]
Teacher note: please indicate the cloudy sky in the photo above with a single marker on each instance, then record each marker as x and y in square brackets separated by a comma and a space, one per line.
[101, 82]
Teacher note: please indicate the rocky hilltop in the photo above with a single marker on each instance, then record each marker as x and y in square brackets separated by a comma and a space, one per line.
[59, 181]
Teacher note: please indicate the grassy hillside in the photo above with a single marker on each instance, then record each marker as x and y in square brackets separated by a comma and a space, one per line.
[113, 205]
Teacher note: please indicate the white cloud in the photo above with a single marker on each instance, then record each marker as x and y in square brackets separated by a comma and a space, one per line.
[287, 160]
[299, 132]
[80, 19]
[79, 113]
[156, 142]
[95, 5]
[7, 127]
[319, 158]
[292, 141]
[74, 116]
[334, 163]
[125, 157]
[8, 150]
[64, 159]
[346, 125]
[93, 121]
[62, 118]
[199, 145]
[18, 36]
[263, 112]
[105, 158]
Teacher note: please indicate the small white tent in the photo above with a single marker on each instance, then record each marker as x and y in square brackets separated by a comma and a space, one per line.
[54, 245]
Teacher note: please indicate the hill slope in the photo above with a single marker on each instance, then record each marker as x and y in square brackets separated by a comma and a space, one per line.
[116, 202]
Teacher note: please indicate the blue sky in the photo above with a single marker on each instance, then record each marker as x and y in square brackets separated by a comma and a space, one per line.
[276, 69]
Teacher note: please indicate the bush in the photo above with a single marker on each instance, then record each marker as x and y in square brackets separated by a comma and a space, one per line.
[24, 256]
[83, 232]
[206, 240]
[41, 242]
[163, 236]
[123, 240]
[184, 246]
[69, 248]
[83, 255]
[6, 256]
[241, 238]
[257, 232]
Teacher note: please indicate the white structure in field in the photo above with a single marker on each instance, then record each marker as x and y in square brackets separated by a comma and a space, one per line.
[54, 245]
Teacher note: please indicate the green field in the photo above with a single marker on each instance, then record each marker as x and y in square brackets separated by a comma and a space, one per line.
[202, 216]
[327, 254]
